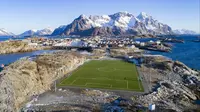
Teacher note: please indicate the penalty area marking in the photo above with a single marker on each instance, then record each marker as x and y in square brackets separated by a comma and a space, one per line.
[107, 84]
[102, 78]
[127, 85]
[98, 84]
[103, 69]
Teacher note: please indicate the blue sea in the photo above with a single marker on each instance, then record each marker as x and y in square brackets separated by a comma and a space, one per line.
[188, 52]
[9, 58]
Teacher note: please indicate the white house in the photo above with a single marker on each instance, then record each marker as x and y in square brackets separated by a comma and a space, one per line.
[158, 42]
[142, 44]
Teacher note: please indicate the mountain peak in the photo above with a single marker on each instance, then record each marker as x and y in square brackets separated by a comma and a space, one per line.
[114, 24]
[4, 32]
[184, 31]
[34, 32]
[142, 16]
[49, 28]
[83, 16]
[122, 13]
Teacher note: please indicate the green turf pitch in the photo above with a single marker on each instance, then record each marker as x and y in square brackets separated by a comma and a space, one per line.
[105, 74]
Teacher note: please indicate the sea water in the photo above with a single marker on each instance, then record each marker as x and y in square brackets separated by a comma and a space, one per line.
[188, 52]
[9, 58]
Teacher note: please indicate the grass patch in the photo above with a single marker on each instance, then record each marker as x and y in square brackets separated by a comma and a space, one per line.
[105, 74]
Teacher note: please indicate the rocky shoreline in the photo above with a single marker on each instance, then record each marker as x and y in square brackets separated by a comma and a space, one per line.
[8, 47]
[173, 86]
[26, 77]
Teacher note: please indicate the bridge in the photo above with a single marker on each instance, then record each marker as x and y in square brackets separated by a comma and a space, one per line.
[79, 48]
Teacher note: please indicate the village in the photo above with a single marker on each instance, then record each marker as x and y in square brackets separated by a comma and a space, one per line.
[59, 64]
[97, 42]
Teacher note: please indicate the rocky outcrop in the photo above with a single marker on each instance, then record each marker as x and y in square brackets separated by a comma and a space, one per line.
[27, 77]
[18, 46]
[175, 86]
[181, 68]
[165, 64]
[170, 95]
[124, 52]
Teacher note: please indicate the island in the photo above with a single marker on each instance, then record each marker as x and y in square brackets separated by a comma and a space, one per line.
[37, 82]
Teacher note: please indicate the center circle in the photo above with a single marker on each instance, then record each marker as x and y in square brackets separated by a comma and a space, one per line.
[105, 69]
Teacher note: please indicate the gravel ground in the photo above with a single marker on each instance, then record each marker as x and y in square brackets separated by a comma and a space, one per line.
[75, 99]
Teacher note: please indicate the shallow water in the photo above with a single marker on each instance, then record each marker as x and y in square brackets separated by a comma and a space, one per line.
[188, 52]
[9, 58]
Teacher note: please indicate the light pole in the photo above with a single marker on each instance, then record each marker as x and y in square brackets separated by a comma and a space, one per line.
[150, 78]
[149, 75]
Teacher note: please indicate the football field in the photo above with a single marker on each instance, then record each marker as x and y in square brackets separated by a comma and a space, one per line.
[105, 74]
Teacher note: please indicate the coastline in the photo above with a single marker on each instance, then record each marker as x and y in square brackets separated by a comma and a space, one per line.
[170, 75]
[9, 47]
[38, 73]
[177, 67]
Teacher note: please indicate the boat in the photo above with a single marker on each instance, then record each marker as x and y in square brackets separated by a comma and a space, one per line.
[198, 40]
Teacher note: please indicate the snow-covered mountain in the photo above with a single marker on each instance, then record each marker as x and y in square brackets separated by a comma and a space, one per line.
[46, 31]
[3, 32]
[154, 25]
[121, 23]
[184, 32]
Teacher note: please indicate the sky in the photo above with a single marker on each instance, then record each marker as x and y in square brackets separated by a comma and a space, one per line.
[18, 16]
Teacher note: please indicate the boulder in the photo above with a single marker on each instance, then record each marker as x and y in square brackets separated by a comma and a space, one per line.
[181, 68]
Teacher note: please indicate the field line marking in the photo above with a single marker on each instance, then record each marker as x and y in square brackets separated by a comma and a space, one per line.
[98, 83]
[66, 78]
[73, 82]
[70, 74]
[127, 84]
[125, 89]
[139, 83]
[123, 70]
[107, 78]
[86, 78]
[138, 75]
[99, 78]
[101, 69]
